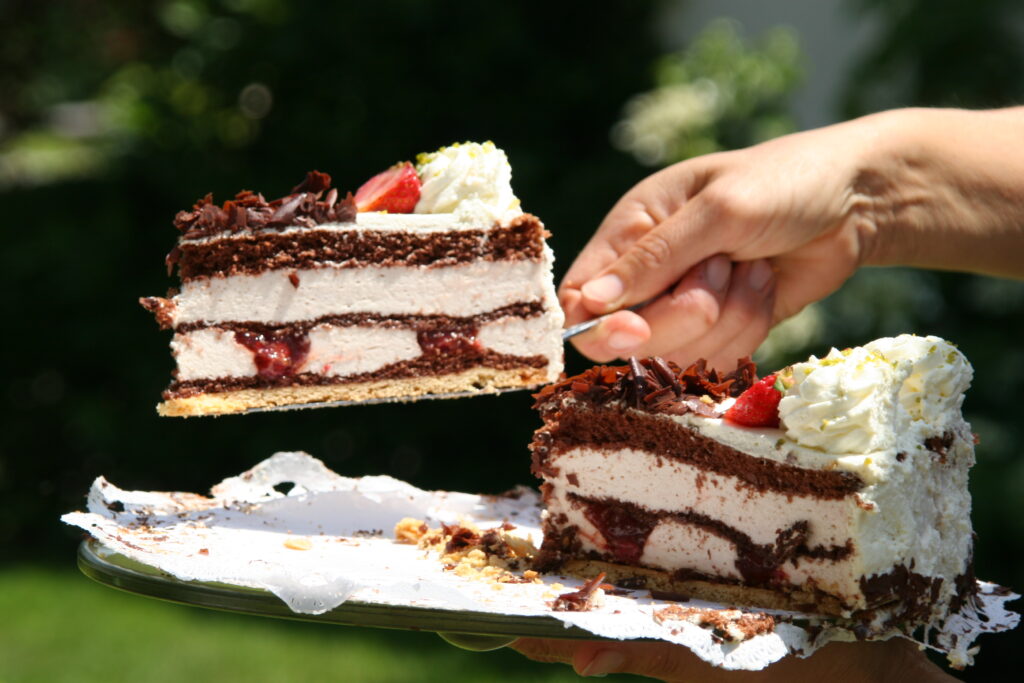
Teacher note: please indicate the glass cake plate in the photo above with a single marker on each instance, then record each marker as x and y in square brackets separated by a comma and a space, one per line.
[468, 630]
[326, 551]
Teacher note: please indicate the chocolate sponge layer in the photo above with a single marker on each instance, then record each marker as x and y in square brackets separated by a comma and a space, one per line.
[521, 238]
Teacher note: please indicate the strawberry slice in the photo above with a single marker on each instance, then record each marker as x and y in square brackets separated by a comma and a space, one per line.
[395, 190]
[758, 406]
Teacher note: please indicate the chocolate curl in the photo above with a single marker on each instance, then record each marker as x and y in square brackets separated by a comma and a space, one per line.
[172, 259]
[655, 385]
[579, 600]
[459, 537]
[666, 374]
[639, 384]
[285, 213]
[251, 211]
[315, 182]
[345, 210]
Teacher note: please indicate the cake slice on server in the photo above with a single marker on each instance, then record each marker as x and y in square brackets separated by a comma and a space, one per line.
[429, 281]
[836, 486]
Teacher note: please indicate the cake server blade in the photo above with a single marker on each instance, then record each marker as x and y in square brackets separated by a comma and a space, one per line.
[580, 328]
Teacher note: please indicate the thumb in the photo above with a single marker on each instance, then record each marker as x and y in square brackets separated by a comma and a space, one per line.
[656, 260]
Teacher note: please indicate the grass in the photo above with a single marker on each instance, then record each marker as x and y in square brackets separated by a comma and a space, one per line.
[59, 626]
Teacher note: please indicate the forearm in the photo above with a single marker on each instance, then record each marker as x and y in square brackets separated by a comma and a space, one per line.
[944, 189]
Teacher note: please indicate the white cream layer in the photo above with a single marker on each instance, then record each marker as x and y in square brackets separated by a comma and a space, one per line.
[341, 351]
[270, 297]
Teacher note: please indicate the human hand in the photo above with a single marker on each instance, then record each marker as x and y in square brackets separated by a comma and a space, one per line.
[892, 660]
[728, 245]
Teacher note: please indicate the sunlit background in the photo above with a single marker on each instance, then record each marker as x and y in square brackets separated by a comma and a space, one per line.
[114, 115]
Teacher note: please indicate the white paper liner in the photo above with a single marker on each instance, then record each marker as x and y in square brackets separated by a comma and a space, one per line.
[247, 534]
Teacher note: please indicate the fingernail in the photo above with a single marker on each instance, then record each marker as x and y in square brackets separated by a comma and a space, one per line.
[716, 272]
[604, 663]
[605, 289]
[623, 341]
[760, 274]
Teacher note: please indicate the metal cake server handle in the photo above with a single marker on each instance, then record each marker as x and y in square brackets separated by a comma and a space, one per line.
[580, 328]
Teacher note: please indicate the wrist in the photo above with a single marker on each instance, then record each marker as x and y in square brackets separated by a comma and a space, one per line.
[887, 173]
[941, 188]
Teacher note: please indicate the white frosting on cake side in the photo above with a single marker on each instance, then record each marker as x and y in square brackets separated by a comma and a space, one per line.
[937, 378]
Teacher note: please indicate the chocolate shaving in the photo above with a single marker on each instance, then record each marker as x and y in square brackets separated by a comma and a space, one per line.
[315, 182]
[665, 374]
[162, 308]
[460, 537]
[172, 259]
[940, 445]
[303, 207]
[636, 373]
[655, 385]
[579, 600]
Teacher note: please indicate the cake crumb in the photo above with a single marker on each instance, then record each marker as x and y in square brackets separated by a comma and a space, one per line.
[409, 530]
[468, 551]
[731, 625]
[299, 543]
[588, 597]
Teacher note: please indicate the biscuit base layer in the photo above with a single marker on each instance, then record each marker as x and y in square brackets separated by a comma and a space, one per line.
[724, 593]
[475, 380]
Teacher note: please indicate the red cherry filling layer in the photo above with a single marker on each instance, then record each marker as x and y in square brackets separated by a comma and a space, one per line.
[625, 533]
[449, 342]
[276, 355]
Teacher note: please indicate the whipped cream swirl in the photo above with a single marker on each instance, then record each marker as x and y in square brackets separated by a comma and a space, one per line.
[937, 378]
[884, 395]
[471, 178]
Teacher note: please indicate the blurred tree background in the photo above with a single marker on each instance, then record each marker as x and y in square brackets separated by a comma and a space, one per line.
[114, 115]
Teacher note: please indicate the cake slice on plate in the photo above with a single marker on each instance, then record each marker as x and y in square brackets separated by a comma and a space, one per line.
[836, 486]
[429, 281]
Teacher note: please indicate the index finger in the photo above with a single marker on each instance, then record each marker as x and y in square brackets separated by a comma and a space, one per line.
[639, 212]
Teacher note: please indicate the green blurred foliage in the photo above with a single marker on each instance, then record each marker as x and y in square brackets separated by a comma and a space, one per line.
[938, 53]
[718, 93]
[72, 630]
